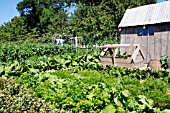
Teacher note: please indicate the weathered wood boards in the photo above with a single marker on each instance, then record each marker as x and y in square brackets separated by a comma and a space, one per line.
[119, 46]
[106, 60]
[168, 43]
[134, 60]
[153, 46]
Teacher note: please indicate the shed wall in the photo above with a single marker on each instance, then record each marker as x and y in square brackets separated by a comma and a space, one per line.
[153, 46]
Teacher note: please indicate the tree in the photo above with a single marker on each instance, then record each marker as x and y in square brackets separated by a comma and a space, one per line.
[95, 24]
[13, 30]
[41, 14]
[99, 19]
[96, 20]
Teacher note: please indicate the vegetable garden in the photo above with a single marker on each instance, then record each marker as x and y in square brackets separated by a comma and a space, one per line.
[49, 78]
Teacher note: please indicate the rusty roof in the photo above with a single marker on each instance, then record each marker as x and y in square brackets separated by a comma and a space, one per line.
[148, 14]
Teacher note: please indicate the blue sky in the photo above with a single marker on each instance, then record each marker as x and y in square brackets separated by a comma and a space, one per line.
[8, 9]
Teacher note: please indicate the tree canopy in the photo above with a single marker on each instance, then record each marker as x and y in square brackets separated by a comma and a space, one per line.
[95, 20]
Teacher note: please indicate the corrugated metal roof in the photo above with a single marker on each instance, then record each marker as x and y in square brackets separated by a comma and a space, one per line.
[148, 14]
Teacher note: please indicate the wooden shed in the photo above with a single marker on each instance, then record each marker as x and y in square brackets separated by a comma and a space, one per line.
[148, 26]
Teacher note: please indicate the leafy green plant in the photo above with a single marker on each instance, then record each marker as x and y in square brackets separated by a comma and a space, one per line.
[23, 50]
[80, 92]
[164, 61]
[124, 55]
[78, 82]
[16, 99]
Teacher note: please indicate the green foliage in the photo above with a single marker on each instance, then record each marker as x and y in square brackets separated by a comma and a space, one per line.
[94, 23]
[16, 99]
[126, 2]
[124, 55]
[23, 50]
[164, 62]
[42, 14]
[75, 92]
[78, 82]
[37, 19]
[97, 21]
[38, 64]
[13, 30]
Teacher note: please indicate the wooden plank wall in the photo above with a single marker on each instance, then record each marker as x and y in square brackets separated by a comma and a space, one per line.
[153, 46]
[144, 46]
[168, 50]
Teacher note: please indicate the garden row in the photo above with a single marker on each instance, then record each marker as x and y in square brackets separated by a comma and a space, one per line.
[65, 81]
[21, 51]
[79, 83]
